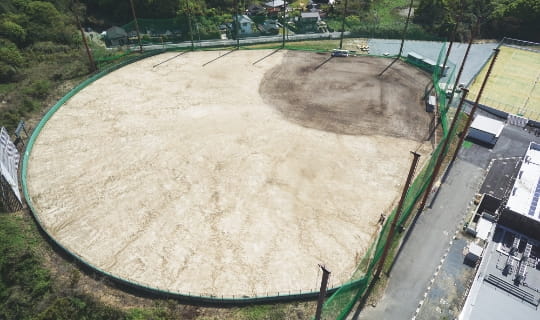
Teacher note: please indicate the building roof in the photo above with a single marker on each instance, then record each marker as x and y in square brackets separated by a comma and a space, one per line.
[483, 229]
[115, 32]
[243, 18]
[488, 125]
[275, 4]
[475, 249]
[305, 15]
[526, 191]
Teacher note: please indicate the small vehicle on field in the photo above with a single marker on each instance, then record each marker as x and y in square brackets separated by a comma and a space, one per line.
[340, 53]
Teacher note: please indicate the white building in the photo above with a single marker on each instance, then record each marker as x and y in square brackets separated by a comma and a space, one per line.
[522, 212]
[245, 24]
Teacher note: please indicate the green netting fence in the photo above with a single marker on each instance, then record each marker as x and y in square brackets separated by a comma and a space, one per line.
[195, 30]
[346, 295]
[340, 304]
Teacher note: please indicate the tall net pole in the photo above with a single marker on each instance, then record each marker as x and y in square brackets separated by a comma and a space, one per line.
[475, 106]
[343, 24]
[283, 22]
[396, 215]
[456, 83]
[452, 38]
[405, 30]
[188, 11]
[444, 148]
[136, 25]
[236, 26]
[322, 292]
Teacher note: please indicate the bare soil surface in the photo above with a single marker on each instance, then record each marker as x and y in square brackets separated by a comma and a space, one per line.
[181, 177]
[346, 95]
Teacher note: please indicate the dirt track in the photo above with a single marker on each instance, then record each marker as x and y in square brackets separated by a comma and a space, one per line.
[182, 177]
[346, 95]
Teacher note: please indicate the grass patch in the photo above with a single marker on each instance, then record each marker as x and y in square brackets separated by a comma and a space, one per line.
[386, 13]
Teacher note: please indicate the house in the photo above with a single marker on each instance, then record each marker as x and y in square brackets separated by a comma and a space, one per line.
[245, 24]
[309, 21]
[269, 26]
[275, 6]
[116, 36]
[255, 9]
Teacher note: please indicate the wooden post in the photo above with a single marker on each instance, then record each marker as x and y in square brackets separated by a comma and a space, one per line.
[322, 292]
[396, 216]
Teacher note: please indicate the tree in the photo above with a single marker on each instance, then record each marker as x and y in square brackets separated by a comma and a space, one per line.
[12, 31]
[10, 60]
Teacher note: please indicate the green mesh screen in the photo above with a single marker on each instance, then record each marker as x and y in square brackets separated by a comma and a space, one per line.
[339, 305]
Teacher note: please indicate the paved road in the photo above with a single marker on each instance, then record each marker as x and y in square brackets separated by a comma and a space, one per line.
[423, 250]
[246, 41]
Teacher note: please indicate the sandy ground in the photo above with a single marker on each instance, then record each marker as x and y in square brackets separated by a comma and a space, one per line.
[182, 177]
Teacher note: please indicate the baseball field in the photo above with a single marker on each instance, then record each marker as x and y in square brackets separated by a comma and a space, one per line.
[207, 173]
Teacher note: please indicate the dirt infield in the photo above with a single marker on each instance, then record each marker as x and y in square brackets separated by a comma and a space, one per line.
[182, 177]
[346, 96]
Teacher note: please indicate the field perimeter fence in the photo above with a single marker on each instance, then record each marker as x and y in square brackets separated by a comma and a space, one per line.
[227, 31]
[521, 44]
[340, 304]
[344, 295]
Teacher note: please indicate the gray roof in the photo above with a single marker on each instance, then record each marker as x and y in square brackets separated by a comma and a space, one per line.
[275, 3]
[243, 18]
[310, 15]
[116, 33]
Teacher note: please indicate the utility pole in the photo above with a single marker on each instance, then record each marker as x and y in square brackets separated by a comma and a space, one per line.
[91, 61]
[392, 230]
[440, 158]
[343, 24]
[322, 292]
[136, 25]
[475, 106]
